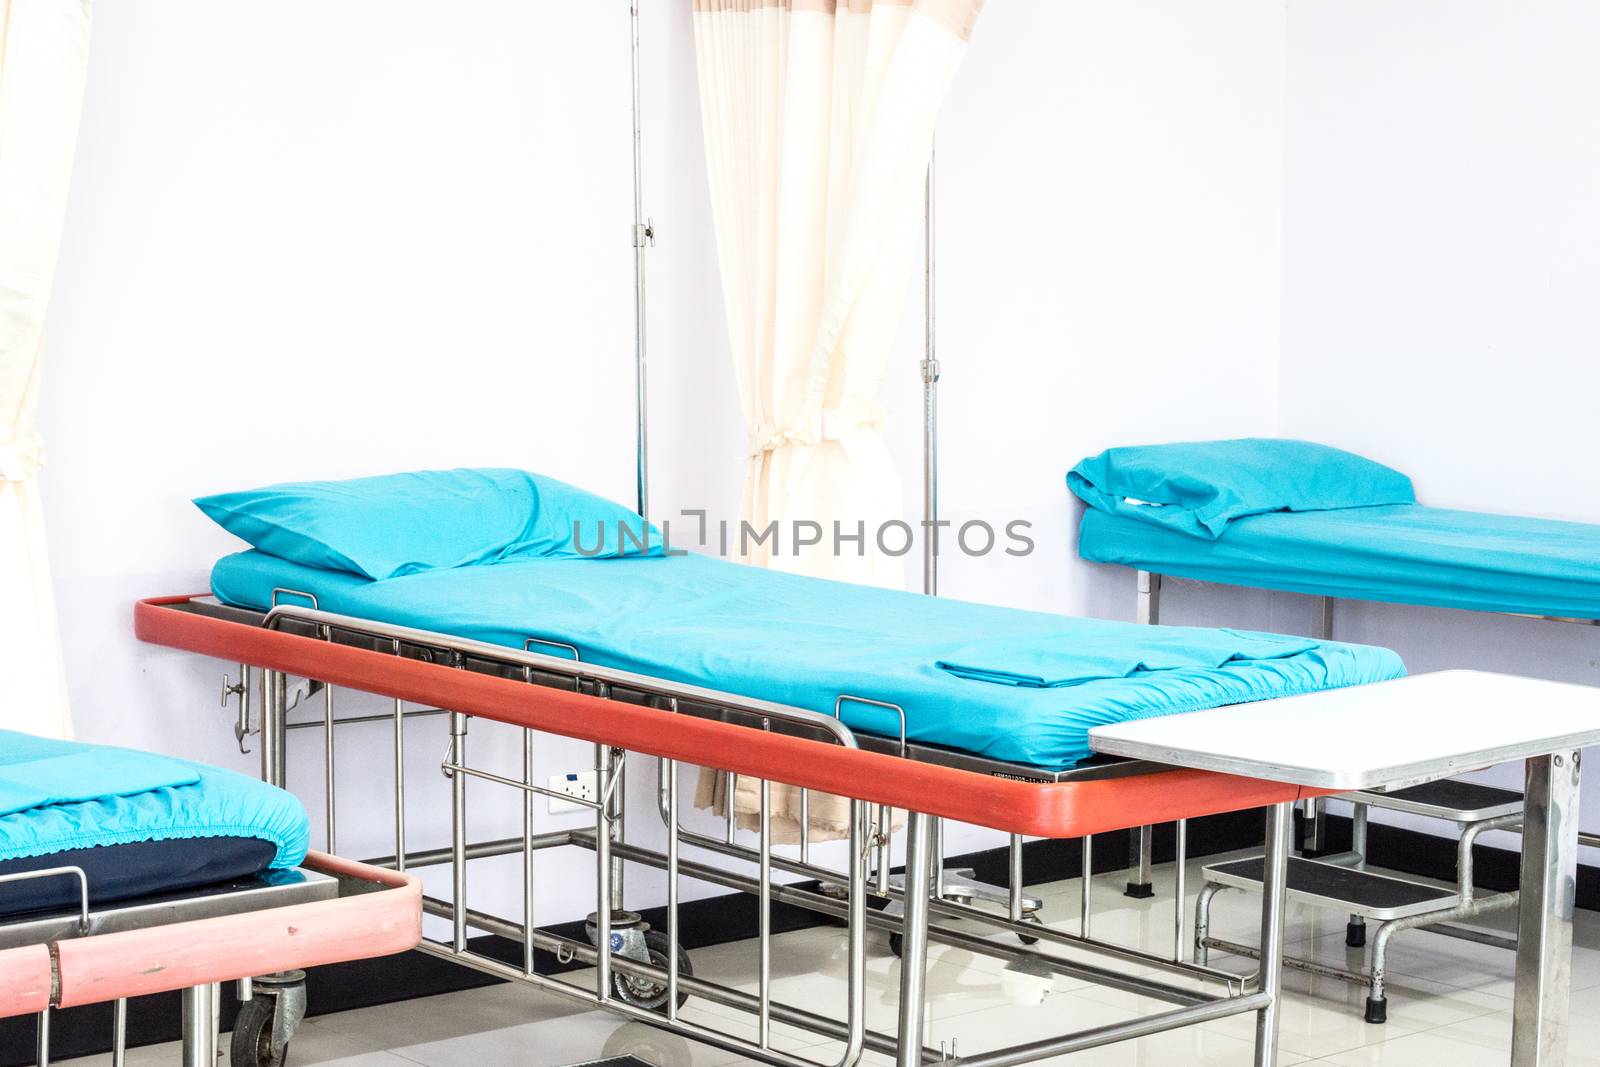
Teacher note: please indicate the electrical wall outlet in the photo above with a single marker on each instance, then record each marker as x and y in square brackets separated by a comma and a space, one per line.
[579, 785]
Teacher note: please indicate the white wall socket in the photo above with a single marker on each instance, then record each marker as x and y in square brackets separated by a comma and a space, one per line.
[579, 785]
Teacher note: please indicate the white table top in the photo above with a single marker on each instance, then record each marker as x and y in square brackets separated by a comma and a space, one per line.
[1409, 730]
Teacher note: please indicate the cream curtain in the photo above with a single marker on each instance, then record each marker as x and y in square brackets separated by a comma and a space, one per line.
[44, 52]
[819, 119]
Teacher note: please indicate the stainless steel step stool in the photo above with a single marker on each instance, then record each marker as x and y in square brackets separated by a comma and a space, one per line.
[1343, 882]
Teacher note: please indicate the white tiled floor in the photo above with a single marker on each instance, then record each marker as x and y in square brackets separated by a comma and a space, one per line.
[1449, 1003]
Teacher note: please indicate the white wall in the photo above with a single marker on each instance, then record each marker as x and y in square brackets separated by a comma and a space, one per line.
[315, 242]
[1109, 201]
[311, 240]
[1363, 223]
[1108, 252]
[1441, 256]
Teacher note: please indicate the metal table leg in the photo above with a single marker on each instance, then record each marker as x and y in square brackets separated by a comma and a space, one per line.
[1140, 845]
[1544, 911]
[914, 951]
[1147, 612]
[1275, 871]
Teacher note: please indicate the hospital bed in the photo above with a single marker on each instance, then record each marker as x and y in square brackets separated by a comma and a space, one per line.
[621, 640]
[1303, 518]
[938, 708]
[124, 874]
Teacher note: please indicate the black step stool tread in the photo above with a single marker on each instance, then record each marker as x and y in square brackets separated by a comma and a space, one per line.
[1453, 798]
[1366, 893]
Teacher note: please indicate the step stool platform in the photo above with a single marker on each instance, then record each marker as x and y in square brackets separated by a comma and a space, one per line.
[1364, 893]
[1447, 798]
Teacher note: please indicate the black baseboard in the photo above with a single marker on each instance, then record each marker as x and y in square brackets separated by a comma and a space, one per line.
[717, 920]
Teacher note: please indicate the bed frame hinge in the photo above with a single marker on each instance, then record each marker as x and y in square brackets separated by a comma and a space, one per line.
[241, 690]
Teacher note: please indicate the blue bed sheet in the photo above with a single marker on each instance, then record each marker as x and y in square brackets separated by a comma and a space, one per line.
[61, 796]
[1404, 553]
[1019, 686]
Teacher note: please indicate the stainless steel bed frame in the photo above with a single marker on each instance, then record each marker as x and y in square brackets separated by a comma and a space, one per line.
[646, 975]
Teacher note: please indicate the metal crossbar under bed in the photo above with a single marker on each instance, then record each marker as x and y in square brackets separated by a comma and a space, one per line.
[646, 975]
[1341, 881]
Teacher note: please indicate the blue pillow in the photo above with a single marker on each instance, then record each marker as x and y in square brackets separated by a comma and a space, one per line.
[1200, 487]
[397, 524]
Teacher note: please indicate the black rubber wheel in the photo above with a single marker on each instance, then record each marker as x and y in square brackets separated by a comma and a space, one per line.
[1030, 917]
[643, 993]
[1355, 934]
[252, 1034]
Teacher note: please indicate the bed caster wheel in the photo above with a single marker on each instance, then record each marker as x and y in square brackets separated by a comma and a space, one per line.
[840, 893]
[1355, 934]
[643, 993]
[1377, 1010]
[1030, 917]
[252, 1036]
[267, 1021]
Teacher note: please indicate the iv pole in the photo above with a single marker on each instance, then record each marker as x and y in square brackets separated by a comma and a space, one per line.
[930, 400]
[950, 883]
[643, 232]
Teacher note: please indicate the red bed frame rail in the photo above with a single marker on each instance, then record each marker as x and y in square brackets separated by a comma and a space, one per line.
[1057, 809]
[159, 959]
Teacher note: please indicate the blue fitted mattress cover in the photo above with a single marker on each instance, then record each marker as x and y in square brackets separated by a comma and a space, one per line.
[1401, 553]
[60, 797]
[1019, 686]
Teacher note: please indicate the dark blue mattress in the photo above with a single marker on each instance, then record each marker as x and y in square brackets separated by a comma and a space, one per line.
[135, 822]
[139, 869]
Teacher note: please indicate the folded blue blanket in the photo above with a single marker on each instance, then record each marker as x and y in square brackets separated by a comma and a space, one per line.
[1200, 487]
[56, 796]
[1061, 660]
